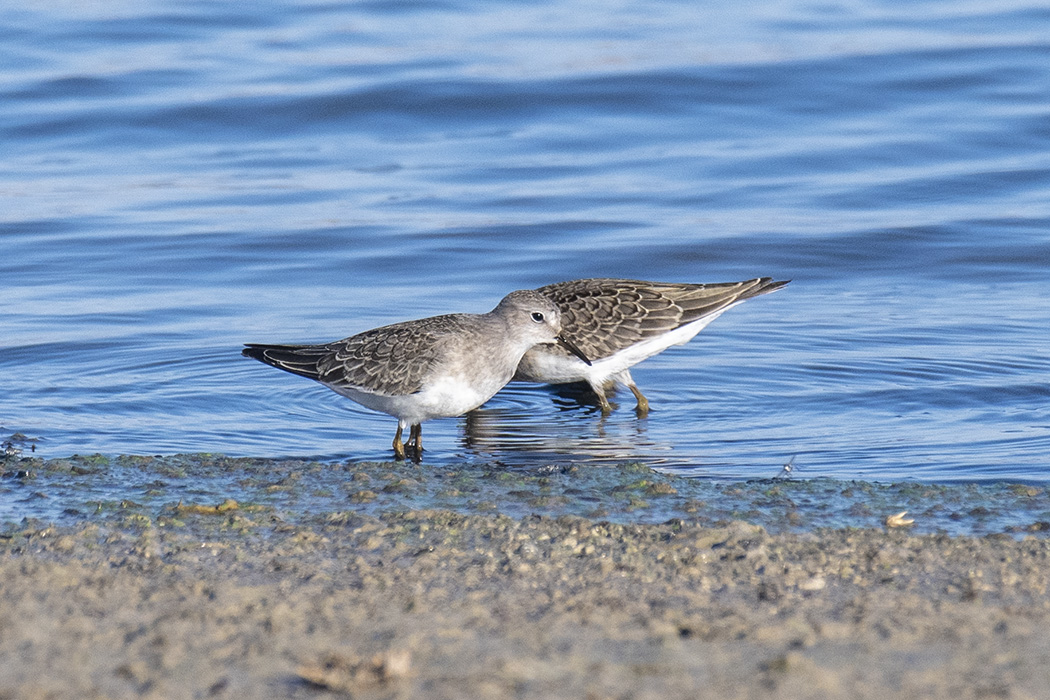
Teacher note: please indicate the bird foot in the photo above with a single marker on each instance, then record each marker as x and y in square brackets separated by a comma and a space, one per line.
[642, 409]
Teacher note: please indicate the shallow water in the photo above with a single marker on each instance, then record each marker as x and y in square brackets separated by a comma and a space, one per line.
[141, 491]
[176, 182]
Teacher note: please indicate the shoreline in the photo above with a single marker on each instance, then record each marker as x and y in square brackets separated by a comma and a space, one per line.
[439, 604]
[220, 599]
[97, 488]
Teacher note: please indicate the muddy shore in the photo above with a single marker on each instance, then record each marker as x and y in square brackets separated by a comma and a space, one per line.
[228, 599]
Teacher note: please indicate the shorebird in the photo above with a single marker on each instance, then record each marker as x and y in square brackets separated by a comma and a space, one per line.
[434, 367]
[617, 323]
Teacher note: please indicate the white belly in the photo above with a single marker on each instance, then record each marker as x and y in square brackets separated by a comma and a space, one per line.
[542, 366]
[441, 398]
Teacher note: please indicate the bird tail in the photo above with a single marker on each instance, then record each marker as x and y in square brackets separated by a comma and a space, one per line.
[303, 360]
[708, 299]
[764, 285]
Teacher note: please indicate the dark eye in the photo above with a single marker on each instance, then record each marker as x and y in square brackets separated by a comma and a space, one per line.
[537, 317]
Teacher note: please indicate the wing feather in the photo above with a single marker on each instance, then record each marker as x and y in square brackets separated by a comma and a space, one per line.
[604, 316]
[392, 360]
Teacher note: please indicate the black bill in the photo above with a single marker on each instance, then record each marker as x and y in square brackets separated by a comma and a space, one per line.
[571, 347]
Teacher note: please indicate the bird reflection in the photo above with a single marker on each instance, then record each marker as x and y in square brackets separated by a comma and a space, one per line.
[514, 428]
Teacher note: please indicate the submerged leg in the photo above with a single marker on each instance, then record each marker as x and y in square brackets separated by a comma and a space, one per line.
[399, 447]
[603, 402]
[642, 409]
[415, 441]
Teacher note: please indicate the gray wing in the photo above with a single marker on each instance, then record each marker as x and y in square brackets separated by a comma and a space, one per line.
[603, 316]
[392, 360]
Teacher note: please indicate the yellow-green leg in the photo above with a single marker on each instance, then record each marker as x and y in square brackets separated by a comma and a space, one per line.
[603, 401]
[642, 409]
[415, 441]
[399, 447]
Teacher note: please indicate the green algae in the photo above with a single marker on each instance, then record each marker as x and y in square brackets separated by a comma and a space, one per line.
[97, 489]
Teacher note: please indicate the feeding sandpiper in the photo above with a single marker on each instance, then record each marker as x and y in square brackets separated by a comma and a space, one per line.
[617, 323]
[434, 367]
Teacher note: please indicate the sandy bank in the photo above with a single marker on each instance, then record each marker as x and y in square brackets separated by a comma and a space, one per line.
[236, 604]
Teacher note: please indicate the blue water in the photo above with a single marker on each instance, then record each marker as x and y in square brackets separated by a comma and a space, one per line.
[176, 180]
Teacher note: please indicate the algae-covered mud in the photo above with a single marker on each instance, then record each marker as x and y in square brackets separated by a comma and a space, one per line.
[101, 489]
[202, 576]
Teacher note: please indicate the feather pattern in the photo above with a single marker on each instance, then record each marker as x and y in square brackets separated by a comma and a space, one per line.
[431, 368]
[393, 360]
[604, 316]
[617, 323]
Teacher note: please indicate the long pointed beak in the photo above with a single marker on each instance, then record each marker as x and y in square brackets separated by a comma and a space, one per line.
[571, 347]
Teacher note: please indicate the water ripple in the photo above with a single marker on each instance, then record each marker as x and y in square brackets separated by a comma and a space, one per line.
[177, 182]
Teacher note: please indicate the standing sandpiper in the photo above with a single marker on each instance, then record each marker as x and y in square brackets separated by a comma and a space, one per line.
[618, 323]
[431, 368]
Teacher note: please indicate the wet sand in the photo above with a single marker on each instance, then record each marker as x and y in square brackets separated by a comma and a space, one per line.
[221, 599]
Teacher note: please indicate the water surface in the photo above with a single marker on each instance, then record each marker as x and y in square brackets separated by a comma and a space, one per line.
[177, 181]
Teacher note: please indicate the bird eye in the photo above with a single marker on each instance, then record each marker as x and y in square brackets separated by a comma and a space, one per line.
[537, 317]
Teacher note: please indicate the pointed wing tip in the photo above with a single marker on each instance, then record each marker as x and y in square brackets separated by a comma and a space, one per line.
[251, 350]
[767, 285]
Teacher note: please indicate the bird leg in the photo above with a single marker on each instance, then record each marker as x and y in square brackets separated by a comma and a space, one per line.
[603, 402]
[415, 441]
[399, 447]
[642, 409]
